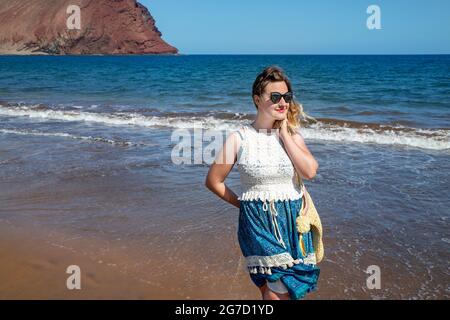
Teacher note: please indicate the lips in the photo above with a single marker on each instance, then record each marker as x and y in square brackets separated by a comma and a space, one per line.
[280, 109]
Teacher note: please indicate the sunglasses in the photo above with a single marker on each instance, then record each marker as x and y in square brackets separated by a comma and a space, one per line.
[275, 97]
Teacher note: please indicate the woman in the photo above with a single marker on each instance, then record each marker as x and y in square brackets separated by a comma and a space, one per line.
[269, 153]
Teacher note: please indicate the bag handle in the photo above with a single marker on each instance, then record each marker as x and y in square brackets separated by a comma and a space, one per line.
[305, 206]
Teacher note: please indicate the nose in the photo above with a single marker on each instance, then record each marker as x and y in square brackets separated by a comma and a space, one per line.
[284, 102]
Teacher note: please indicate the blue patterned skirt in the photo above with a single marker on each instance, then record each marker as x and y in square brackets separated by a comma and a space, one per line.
[270, 242]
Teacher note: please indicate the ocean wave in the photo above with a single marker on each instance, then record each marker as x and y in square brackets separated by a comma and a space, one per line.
[322, 129]
[68, 135]
[411, 137]
[174, 120]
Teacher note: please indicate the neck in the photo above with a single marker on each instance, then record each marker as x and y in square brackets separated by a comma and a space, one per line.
[263, 123]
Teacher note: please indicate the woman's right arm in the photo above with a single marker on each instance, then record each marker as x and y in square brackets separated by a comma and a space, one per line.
[221, 167]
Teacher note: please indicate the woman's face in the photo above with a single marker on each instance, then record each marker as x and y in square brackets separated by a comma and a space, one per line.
[277, 111]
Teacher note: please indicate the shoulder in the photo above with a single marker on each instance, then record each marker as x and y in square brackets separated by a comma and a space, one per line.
[298, 137]
[298, 133]
[235, 138]
[228, 153]
[241, 132]
[238, 135]
[238, 139]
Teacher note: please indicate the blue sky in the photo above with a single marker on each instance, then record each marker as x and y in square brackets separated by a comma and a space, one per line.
[302, 26]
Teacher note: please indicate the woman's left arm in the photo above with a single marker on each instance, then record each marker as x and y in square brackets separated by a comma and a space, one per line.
[304, 162]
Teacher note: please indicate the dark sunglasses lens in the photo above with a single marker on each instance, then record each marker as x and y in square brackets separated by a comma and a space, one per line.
[275, 97]
[288, 97]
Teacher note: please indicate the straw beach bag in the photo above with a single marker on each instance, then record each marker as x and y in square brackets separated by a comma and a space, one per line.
[308, 219]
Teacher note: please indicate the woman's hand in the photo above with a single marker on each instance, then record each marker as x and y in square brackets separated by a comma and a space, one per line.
[298, 152]
[284, 129]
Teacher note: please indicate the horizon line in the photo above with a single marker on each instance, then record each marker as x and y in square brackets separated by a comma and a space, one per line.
[227, 54]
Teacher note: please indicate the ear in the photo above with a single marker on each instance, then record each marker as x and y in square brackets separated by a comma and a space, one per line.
[256, 99]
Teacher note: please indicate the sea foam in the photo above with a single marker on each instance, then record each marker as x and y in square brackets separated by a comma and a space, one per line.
[434, 139]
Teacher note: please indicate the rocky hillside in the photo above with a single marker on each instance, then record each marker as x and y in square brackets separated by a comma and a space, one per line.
[106, 27]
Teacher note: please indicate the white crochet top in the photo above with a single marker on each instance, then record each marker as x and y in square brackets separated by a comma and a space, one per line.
[265, 169]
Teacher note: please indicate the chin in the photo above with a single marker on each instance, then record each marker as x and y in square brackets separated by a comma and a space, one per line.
[280, 116]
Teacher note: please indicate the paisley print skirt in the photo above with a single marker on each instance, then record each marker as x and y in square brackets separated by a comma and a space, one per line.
[273, 248]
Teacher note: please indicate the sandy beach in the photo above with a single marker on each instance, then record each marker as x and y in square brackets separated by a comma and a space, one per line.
[33, 266]
[32, 269]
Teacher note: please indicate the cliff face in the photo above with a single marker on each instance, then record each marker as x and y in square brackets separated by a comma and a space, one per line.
[107, 27]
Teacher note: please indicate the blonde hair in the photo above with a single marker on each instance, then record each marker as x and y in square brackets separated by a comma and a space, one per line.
[273, 74]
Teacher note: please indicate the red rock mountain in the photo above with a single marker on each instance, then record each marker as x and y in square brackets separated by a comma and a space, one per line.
[106, 27]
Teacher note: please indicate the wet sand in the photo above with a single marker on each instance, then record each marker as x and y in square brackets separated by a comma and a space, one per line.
[32, 268]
